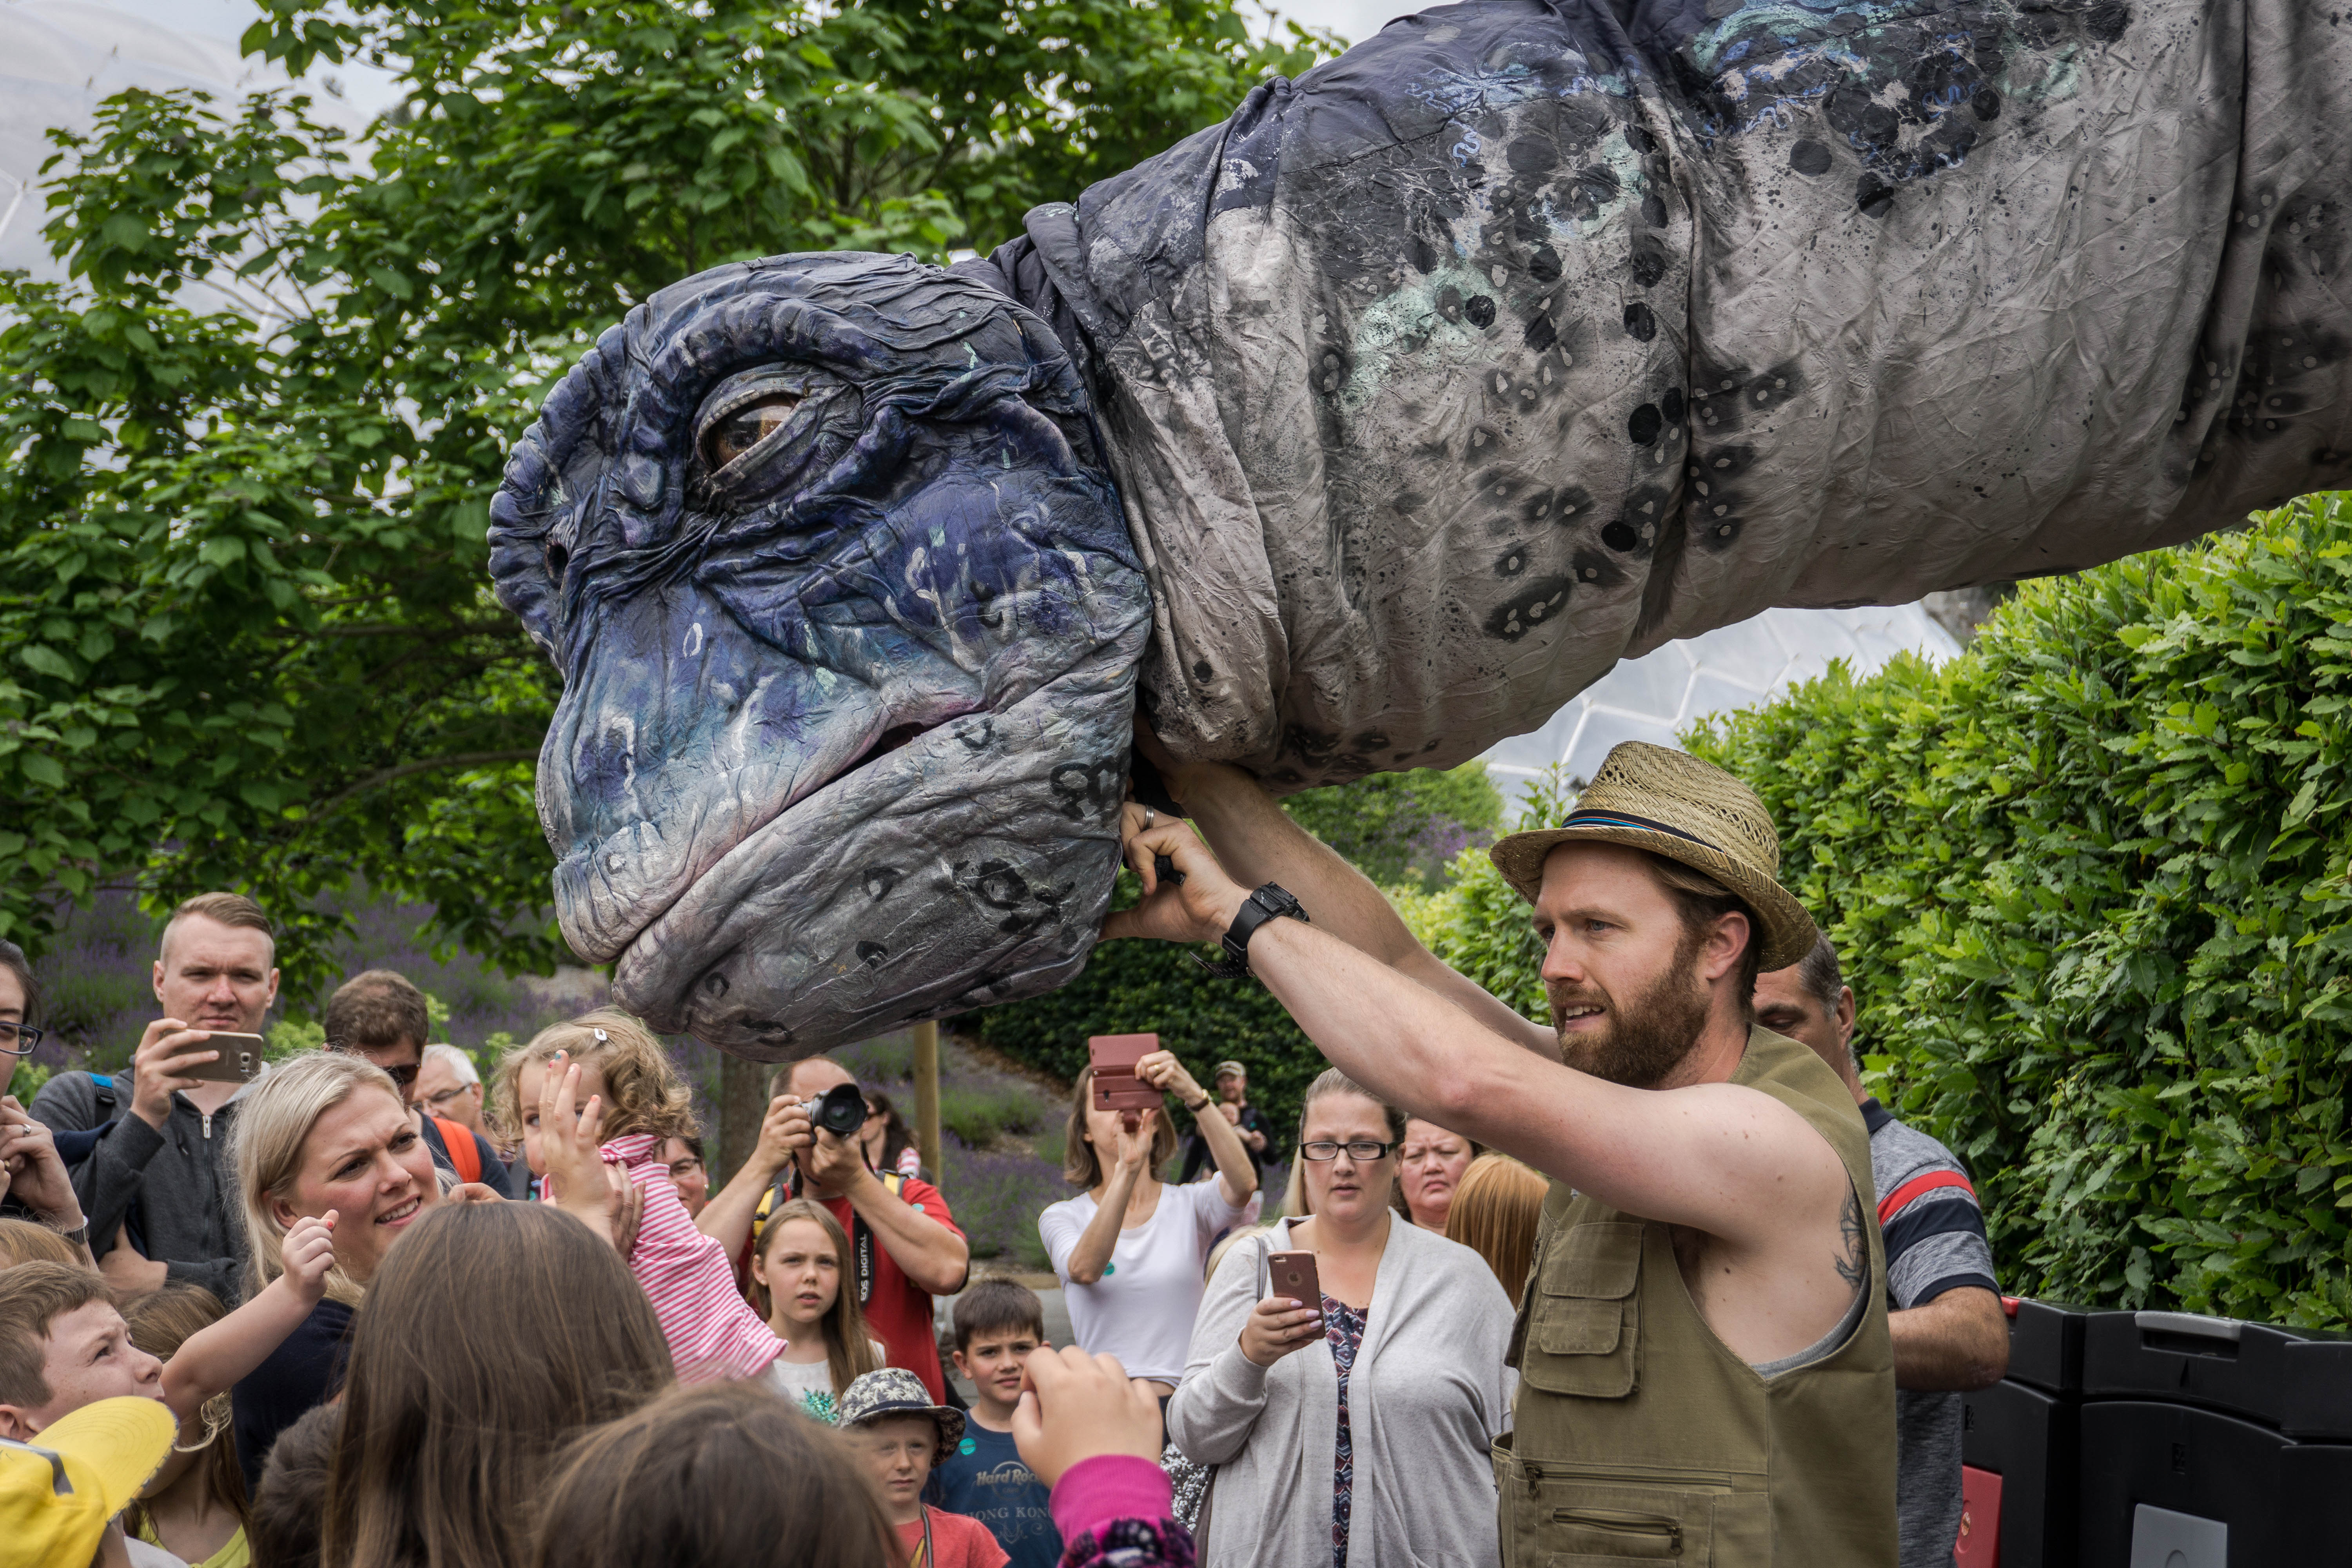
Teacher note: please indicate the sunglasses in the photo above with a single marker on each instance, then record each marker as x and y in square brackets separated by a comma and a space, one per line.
[401, 1076]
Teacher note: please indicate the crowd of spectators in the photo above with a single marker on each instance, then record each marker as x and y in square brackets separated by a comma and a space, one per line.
[395, 1314]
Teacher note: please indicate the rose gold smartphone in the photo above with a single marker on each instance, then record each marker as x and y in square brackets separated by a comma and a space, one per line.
[1113, 1058]
[1293, 1274]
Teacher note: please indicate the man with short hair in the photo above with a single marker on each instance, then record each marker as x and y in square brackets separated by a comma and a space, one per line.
[1232, 1081]
[164, 1148]
[449, 1085]
[381, 1015]
[1703, 1357]
[1950, 1333]
[905, 1245]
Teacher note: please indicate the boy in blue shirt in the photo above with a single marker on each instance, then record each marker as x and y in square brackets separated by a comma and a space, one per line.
[997, 1323]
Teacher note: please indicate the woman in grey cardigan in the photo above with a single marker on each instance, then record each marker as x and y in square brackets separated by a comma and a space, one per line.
[1353, 1431]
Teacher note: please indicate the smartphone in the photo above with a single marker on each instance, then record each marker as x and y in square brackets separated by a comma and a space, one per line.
[239, 1060]
[1113, 1058]
[1293, 1274]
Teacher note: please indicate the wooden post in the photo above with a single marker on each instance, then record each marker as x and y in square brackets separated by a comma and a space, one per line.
[743, 1106]
[926, 1098]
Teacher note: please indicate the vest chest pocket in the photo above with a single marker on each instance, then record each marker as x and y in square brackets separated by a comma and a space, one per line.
[1584, 1319]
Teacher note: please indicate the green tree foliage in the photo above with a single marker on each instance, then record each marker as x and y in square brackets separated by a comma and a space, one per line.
[1403, 828]
[2089, 883]
[246, 637]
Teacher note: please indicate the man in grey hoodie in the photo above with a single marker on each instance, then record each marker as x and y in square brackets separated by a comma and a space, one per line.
[163, 1146]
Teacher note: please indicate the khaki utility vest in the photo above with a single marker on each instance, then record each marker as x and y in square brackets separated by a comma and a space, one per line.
[1641, 1436]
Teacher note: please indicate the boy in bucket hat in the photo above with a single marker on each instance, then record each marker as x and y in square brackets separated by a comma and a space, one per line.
[1704, 1361]
[902, 1436]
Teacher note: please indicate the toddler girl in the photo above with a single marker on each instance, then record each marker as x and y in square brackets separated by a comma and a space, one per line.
[713, 1333]
[796, 1268]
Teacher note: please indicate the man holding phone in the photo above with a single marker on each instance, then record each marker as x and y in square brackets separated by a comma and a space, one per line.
[158, 1186]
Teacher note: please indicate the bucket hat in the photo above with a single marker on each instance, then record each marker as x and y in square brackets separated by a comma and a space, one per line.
[895, 1390]
[57, 1492]
[1671, 804]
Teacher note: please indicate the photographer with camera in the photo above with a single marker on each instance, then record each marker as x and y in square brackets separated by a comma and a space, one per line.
[904, 1244]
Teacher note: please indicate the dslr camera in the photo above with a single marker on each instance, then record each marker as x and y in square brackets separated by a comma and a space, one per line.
[840, 1111]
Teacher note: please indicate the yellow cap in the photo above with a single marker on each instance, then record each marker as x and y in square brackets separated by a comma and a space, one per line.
[57, 1492]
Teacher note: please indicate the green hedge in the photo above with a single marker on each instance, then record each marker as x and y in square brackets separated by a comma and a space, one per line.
[2089, 883]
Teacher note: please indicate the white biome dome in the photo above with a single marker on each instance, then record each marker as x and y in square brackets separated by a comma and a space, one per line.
[1656, 697]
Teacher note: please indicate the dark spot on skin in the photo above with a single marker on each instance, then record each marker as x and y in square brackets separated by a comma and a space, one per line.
[880, 880]
[1653, 210]
[1872, 127]
[1716, 532]
[1531, 155]
[1541, 603]
[1423, 255]
[1641, 322]
[1620, 535]
[1600, 181]
[1544, 266]
[1201, 670]
[1644, 423]
[999, 884]
[1671, 404]
[1541, 334]
[1087, 789]
[2107, 19]
[1810, 157]
[975, 733]
[1986, 105]
[1480, 311]
[1595, 570]
[1648, 261]
[872, 953]
[1874, 197]
[1512, 561]
[1639, 139]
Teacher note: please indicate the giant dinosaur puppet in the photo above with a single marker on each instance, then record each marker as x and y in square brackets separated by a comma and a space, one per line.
[1368, 427]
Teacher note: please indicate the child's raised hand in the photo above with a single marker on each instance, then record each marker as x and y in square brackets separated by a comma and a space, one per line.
[1080, 1406]
[307, 1253]
[567, 1139]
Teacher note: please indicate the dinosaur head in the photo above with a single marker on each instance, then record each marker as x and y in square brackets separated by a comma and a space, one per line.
[827, 553]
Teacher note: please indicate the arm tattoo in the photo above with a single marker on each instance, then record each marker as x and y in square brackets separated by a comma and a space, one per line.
[1853, 1260]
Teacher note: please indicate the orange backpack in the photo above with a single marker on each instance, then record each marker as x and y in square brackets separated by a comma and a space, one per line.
[464, 1153]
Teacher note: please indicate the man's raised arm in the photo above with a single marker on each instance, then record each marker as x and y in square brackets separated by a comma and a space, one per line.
[1717, 1157]
[1256, 842]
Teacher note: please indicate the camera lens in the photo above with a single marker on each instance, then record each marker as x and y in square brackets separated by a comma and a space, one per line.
[841, 1109]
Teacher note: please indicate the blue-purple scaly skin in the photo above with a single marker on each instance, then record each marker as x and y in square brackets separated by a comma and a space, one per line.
[1370, 427]
[940, 546]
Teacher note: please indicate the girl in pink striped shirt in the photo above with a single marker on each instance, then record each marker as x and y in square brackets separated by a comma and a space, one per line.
[713, 1333]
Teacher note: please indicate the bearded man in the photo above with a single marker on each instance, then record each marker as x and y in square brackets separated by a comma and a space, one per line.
[1705, 1368]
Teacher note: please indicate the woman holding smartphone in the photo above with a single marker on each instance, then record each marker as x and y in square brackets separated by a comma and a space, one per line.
[1131, 1247]
[1391, 1377]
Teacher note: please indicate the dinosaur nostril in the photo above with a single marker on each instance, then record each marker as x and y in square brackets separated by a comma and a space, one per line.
[557, 559]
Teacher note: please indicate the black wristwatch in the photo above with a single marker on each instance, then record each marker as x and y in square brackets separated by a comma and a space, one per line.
[1265, 904]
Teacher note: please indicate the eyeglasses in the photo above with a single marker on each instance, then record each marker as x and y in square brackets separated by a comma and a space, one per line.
[1363, 1150]
[401, 1076]
[18, 1039]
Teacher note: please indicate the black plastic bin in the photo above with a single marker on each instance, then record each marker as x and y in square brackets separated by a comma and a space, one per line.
[2296, 1382]
[2030, 1439]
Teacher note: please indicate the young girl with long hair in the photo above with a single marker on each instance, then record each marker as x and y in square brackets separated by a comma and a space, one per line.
[636, 1102]
[194, 1506]
[453, 1420]
[796, 1275]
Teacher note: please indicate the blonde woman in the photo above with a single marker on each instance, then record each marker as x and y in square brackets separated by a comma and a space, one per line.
[329, 1132]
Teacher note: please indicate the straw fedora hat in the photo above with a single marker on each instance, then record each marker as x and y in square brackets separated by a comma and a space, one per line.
[1671, 804]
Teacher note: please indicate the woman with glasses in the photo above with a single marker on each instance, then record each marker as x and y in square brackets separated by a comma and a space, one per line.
[34, 1184]
[1391, 1383]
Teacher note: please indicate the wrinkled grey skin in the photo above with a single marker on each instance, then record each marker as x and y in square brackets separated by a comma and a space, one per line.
[1518, 341]
[931, 545]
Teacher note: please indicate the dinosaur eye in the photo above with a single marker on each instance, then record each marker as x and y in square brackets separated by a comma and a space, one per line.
[746, 427]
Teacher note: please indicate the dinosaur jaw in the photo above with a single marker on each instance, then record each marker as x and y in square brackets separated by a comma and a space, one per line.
[965, 864]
